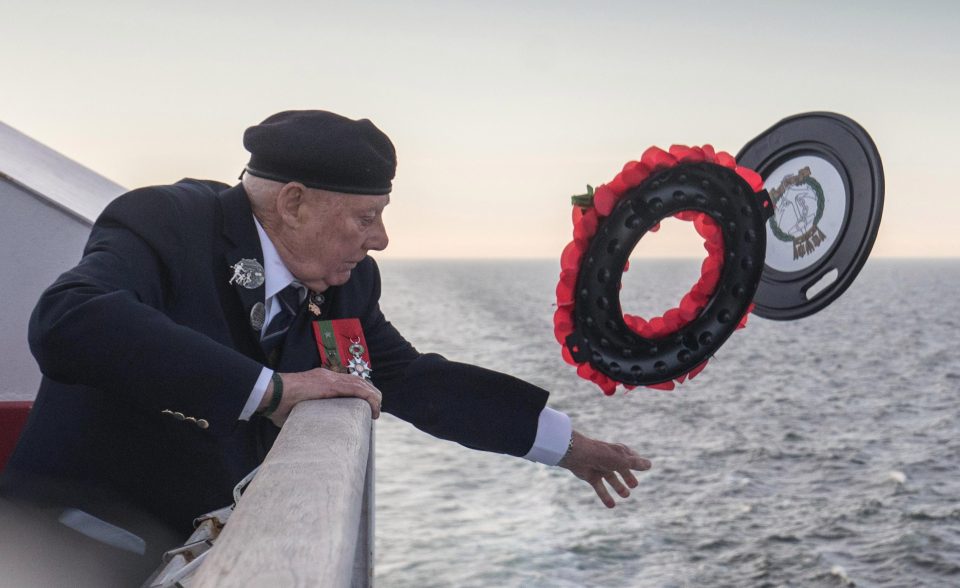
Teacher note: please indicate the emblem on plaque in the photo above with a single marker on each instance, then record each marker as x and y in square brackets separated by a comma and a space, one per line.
[798, 208]
[247, 273]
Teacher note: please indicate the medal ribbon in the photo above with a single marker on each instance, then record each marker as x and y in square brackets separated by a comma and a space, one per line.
[326, 337]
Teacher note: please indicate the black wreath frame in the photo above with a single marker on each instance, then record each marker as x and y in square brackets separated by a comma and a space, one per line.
[600, 335]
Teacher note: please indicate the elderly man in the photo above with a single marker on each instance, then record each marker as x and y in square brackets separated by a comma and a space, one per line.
[176, 348]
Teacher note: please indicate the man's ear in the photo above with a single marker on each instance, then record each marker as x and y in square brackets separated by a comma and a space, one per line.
[291, 198]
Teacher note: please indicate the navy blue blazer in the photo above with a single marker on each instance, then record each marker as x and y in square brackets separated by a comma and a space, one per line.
[147, 325]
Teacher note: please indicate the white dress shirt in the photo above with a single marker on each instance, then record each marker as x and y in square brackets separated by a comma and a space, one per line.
[553, 427]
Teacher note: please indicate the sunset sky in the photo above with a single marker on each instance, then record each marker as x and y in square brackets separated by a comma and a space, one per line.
[499, 110]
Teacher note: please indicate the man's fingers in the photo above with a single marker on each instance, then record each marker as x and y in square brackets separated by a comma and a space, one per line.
[616, 484]
[375, 401]
[600, 463]
[618, 456]
[628, 477]
[370, 393]
[603, 494]
[350, 385]
[640, 464]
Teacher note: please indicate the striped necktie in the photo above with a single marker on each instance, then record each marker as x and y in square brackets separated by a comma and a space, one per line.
[289, 301]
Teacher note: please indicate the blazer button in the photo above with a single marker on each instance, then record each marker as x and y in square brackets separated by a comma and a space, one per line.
[179, 416]
[191, 420]
[166, 411]
[202, 423]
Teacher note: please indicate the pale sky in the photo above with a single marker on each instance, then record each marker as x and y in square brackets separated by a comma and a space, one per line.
[499, 110]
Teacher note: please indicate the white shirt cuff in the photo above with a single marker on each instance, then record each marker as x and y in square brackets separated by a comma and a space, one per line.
[553, 437]
[256, 395]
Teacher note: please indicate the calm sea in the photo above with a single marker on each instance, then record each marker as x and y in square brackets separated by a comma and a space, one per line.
[820, 452]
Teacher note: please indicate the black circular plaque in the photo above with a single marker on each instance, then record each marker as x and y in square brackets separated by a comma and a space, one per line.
[825, 178]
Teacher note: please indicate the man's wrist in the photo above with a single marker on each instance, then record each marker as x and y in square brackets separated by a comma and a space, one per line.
[259, 397]
[554, 431]
[273, 396]
[566, 454]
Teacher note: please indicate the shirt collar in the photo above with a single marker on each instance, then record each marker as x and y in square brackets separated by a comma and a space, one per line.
[276, 276]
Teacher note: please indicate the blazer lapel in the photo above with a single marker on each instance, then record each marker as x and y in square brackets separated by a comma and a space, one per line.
[242, 246]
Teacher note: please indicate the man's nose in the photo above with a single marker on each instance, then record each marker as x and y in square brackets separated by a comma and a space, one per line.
[378, 239]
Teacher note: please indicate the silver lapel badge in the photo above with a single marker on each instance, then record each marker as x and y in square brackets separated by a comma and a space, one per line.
[257, 315]
[247, 273]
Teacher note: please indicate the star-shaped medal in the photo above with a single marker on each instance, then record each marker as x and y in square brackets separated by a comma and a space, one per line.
[359, 367]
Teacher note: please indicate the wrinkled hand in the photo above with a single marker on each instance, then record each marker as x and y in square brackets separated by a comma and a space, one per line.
[594, 462]
[320, 383]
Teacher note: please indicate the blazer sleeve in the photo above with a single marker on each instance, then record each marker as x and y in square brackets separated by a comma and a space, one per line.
[102, 323]
[476, 407]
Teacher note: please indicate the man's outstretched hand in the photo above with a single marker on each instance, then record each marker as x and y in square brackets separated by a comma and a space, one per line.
[595, 462]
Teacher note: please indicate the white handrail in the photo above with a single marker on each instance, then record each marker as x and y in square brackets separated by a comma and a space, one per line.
[306, 519]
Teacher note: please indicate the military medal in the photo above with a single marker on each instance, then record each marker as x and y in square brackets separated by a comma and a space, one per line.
[257, 315]
[316, 300]
[342, 347]
[247, 273]
[357, 365]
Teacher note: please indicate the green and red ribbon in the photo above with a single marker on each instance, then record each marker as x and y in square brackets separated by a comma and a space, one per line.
[334, 338]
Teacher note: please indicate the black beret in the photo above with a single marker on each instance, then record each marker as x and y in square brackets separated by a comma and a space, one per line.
[322, 150]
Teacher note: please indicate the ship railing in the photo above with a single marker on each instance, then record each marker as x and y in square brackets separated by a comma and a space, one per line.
[307, 517]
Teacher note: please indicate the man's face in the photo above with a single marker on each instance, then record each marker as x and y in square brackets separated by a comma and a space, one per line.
[334, 234]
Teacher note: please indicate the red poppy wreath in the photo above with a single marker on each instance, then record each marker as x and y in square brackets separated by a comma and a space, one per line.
[728, 207]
